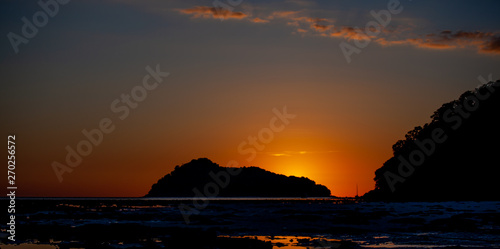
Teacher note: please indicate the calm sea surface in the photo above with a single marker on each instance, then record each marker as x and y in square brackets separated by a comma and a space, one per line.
[246, 222]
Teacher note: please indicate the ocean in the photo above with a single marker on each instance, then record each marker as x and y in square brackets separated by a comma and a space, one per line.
[251, 223]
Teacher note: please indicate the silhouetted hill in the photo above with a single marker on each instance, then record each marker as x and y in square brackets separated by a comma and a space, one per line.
[203, 177]
[454, 157]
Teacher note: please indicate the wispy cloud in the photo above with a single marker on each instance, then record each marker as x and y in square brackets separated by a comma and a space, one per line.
[305, 23]
[283, 14]
[483, 42]
[295, 153]
[279, 154]
[348, 33]
[212, 12]
[259, 20]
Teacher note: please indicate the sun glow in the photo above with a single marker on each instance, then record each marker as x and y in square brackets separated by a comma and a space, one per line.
[296, 169]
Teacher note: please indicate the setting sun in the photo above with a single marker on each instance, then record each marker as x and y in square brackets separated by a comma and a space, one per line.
[177, 124]
[157, 89]
[298, 169]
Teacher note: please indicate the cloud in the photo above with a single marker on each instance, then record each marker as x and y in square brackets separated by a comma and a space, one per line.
[483, 42]
[301, 152]
[306, 24]
[296, 18]
[416, 42]
[212, 12]
[303, 23]
[283, 14]
[316, 24]
[259, 20]
[349, 33]
[279, 154]
[320, 27]
[492, 46]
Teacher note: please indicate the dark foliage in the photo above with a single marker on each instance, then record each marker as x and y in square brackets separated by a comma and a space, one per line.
[463, 167]
[208, 177]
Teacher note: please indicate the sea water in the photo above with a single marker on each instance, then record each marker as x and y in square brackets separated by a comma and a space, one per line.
[282, 222]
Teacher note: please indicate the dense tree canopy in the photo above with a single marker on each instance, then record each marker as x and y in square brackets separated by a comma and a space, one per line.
[208, 179]
[454, 157]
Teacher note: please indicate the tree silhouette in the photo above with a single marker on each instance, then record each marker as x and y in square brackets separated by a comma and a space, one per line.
[462, 167]
[250, 181]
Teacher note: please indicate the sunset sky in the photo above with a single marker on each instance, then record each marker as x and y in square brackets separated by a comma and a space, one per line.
[228, 69]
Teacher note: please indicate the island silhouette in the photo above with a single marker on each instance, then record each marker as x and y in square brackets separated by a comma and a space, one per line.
[454, 157]
[204, 178]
